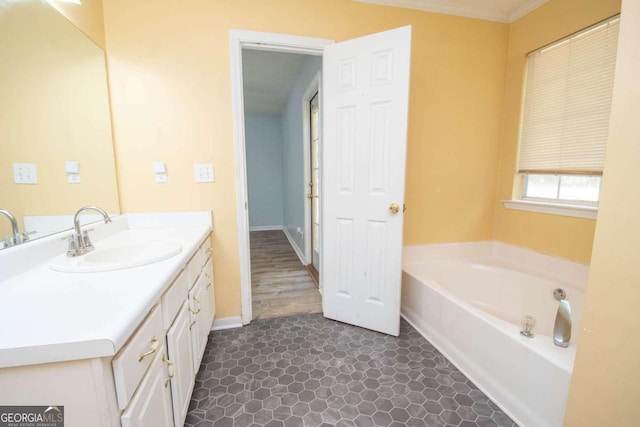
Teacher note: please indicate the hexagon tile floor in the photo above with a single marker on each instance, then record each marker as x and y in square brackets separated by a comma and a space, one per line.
[311, 371]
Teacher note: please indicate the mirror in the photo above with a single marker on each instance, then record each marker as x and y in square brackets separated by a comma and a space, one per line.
[54, 109]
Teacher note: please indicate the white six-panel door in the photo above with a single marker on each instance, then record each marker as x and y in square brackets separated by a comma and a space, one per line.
[366, 93]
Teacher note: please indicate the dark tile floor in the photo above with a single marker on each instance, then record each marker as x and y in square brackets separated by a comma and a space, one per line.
[310, 371]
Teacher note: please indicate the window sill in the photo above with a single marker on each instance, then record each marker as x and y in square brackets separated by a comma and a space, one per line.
[577, 211]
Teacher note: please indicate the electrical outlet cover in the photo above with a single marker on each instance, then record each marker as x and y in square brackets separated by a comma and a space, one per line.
[25, 173]
[203, 172]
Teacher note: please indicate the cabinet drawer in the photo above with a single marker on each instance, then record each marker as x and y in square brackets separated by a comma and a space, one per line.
[208, 272]
[173, 299]
[197, 261]
[134, 358]
[206, 249]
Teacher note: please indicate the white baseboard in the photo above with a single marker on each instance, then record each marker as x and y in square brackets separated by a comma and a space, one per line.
[294, 246]
[227, 323]
[266, 228]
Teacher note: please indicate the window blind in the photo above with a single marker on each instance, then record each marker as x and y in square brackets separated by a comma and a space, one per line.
[567, 102]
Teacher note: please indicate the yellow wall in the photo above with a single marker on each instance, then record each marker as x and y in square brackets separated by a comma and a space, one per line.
[54, 107]
[606, 378]
[556, 235]
[170, 78]
[87, 16]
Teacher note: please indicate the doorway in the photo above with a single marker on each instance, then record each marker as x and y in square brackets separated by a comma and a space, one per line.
[240, 40]
[278, 117]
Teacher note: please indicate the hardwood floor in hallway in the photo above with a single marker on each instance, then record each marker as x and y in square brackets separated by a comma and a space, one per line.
[280, 285]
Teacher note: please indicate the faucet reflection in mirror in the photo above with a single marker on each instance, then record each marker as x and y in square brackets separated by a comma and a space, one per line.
[79, 241]
[17, 237]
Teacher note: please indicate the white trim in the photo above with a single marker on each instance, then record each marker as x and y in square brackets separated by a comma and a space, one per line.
[239, 39]
[524, 9]
[313, 87]
[478, 10]
[294, 246]
[266, 228]
[227, 323]
[577, 211]
[241, 175]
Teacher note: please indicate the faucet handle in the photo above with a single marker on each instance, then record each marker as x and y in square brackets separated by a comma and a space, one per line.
[88, 246]
[7, 242]
[24, 237]
[72, 246]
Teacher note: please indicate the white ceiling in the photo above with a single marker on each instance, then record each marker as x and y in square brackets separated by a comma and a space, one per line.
[268, 79]
[492, 10]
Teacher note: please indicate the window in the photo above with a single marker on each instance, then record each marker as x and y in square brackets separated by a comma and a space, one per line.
[565, 120]
[573, 189]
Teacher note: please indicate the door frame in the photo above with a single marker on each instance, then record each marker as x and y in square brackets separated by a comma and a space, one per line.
[274, 42]
[314, 86]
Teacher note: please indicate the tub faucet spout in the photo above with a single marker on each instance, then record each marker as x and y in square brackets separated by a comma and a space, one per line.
[562, 328]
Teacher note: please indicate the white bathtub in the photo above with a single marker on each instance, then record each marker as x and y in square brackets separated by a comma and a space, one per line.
[468, 300]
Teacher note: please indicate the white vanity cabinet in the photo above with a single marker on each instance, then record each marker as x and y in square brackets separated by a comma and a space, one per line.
[185, 319]
[120, 348]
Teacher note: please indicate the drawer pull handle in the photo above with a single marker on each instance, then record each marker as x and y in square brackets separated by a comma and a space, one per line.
[155, 344]
[197, 305]
[170, 370]
[191, 325]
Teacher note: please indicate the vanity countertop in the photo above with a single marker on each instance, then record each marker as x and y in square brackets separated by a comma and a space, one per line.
[49, 316]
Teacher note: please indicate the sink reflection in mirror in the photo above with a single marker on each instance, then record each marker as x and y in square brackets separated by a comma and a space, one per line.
[54, 108]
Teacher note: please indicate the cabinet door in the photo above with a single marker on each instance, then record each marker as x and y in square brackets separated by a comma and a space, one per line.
[210, 312]
[180, 351]
[151, 404]
[197, 299]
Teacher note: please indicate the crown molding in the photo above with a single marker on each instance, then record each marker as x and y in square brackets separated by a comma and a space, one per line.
[480, 10]
[519, 12]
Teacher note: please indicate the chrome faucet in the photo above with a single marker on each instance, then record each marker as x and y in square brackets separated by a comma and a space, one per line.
[79, 242]
[17, 236]
[562, 327]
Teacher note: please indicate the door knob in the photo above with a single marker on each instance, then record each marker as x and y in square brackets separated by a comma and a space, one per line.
[310, 196]
[394, 208]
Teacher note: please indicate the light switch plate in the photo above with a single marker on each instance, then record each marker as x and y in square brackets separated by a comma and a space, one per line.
[25, 173]
[203, 172]
[71, 167]
[160, 171]
[159, 167]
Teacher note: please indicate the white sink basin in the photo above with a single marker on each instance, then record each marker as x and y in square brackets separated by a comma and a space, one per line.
[117, 257]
